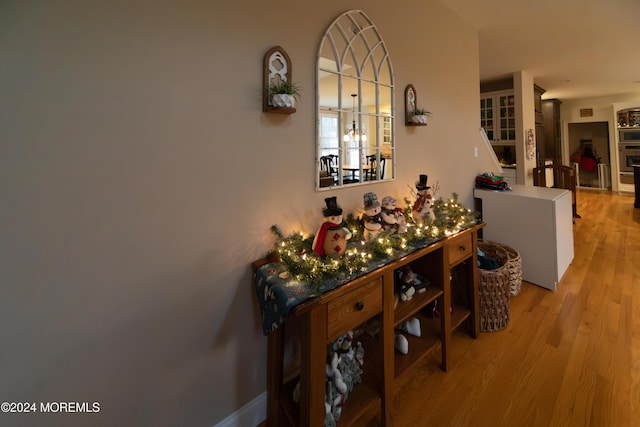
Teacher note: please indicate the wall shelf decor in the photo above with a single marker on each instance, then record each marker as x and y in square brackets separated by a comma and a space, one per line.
[278, 89]
[414, 115]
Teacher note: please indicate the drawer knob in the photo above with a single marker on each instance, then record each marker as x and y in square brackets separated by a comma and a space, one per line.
[463, 248]
[359, 305]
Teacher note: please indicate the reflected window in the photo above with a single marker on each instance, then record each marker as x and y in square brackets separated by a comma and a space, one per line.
[329, 134]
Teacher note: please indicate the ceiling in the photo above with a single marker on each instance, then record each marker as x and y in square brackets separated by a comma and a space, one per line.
[572, 48]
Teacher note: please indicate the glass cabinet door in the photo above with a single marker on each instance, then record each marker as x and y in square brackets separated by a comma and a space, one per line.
[486, 116]
[507, 117]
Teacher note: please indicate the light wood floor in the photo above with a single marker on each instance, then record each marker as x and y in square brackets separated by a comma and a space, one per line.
[567, 358]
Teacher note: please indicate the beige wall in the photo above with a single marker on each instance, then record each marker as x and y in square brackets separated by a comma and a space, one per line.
[140, 178]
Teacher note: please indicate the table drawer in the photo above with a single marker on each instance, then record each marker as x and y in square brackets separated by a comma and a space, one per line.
[353, 308]
[459, 248]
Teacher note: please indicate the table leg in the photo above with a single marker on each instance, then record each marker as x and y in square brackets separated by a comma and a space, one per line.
[312, 370]
[275, 353]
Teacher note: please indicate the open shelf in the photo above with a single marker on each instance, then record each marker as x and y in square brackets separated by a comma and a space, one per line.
[362, 404]
[461, 295]
[407, 309]
[460, 314]
[419, 347]
[364, 401]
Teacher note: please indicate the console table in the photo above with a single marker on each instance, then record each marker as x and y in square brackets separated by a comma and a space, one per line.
[449, 264]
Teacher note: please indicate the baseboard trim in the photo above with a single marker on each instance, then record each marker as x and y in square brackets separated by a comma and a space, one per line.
[250, 415]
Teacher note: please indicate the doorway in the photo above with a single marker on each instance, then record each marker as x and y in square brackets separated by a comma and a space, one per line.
[589, 154]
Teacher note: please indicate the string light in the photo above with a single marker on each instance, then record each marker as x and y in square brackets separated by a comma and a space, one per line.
[296, 254]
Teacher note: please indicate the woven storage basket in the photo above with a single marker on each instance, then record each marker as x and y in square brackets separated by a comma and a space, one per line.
[515, 268]
[494, 289]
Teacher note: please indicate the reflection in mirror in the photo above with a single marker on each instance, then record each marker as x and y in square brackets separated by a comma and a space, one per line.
[355, 135]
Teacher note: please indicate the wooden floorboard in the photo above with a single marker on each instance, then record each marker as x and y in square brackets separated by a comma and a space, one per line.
[567, 358]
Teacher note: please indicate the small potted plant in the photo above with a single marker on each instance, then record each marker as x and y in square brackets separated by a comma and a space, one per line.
[419, 116]
[284, 94]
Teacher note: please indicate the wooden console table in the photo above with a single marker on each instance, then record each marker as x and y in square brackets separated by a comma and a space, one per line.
[320, 320]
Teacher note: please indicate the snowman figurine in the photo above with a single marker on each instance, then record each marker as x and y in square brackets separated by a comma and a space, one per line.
[392, 218]
[332, 236]
[371, 219]
[424, 202]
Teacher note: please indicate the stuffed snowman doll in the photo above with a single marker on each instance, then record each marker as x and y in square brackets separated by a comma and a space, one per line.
[371, 218]
[332, 236]
[392, 218]
[424, 202]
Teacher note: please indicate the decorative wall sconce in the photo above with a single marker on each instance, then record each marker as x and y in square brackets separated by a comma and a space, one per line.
[279, 91]
[414, 115]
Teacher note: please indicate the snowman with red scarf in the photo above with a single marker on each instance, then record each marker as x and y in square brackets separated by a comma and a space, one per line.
[332, 236]
[423, 205]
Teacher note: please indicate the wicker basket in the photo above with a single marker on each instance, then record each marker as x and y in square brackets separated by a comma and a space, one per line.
[494, 289]
[515, 268]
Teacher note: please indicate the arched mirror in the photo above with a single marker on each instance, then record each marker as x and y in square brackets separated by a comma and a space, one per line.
[355, 110]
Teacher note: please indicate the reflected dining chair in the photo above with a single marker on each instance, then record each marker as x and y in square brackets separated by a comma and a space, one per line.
[329, 164]
[372, 172]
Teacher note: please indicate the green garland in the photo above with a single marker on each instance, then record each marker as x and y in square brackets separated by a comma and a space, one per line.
[296, 254]
[451, 215]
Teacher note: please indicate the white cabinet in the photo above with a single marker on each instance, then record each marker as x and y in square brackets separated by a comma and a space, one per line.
[509, 175]
[535, 221]
[497, 116]
[498, 119]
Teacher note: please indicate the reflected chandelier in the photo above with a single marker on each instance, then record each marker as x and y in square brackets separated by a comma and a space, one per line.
[354, 134]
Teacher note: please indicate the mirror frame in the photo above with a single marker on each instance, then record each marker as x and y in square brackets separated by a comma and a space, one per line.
[345, 39]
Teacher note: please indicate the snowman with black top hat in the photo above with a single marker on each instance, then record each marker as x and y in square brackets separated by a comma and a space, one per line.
[332, 236]
[422, 208]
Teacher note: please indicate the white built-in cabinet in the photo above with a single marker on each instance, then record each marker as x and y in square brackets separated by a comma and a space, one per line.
[509, 175]
[498, 119]
[498, 116]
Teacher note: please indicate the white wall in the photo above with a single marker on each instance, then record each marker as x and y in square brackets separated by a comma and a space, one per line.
[139, 179]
